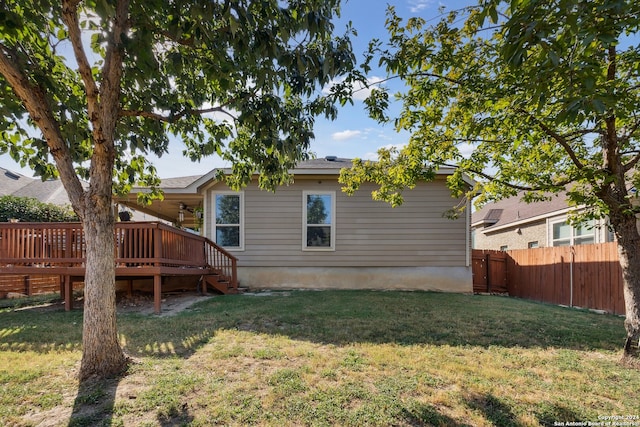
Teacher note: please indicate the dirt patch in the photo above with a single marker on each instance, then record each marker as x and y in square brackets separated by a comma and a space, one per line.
[172, 303]
[139, 302]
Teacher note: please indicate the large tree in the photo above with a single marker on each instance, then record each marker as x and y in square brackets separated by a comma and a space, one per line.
[88, 88]
[539, 96]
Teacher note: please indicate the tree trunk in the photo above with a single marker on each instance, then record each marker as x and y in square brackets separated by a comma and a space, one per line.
[102, 355]
[629, 254]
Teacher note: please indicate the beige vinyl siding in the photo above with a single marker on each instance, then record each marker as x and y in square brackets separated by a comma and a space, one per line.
[368, 233]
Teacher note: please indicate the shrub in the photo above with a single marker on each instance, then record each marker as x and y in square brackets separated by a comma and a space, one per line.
[27, 209]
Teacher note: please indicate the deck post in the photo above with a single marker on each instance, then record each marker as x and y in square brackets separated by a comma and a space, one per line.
[62, 289]
[27, 285]
[157, 293]
[68, 293]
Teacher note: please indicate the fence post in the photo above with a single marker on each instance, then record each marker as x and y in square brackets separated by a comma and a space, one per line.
[488, 263]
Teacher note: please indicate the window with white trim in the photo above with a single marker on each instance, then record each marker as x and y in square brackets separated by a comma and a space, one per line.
[228, 219]
[319, 214]
[565, 234]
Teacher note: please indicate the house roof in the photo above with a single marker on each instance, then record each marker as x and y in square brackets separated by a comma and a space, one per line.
[329, 165]
[11, 182]
[179, 182]
[513, 210]
[187, 191]
[48, 191]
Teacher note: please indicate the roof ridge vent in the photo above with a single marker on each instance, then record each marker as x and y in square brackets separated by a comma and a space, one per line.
[331, 158]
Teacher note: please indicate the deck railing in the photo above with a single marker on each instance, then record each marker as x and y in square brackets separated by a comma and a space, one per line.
[136, 244]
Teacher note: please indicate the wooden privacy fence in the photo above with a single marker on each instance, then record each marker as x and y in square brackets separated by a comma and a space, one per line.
[587, 276]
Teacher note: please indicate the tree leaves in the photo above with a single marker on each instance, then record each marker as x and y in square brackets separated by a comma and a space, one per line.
[259, 64]
[518, 94]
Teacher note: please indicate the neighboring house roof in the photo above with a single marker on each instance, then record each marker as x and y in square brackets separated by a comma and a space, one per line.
[513, 211]
[11, 182]
[49, 191]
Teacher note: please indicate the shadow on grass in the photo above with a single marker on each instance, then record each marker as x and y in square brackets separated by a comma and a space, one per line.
[94, 403]
[329, 317]
[428, 415]
[494, 410]
[333, 317]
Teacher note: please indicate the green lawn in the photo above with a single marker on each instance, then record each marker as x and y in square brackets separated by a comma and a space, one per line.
[347, 358]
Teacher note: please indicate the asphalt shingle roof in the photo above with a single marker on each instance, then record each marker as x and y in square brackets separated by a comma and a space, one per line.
[513, 209]
[49, 191]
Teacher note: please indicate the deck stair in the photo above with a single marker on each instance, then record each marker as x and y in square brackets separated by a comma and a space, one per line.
[217, 283]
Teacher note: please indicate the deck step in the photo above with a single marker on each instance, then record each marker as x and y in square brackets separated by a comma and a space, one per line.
[218, 283]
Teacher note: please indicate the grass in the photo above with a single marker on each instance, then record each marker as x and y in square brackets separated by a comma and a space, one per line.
[347, 358]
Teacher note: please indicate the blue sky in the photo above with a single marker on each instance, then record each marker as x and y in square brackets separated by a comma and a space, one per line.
[353, 134]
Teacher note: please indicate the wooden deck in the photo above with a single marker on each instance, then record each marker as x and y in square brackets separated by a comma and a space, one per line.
[142, 249]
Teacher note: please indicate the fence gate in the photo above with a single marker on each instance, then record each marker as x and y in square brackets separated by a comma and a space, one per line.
[489, 271]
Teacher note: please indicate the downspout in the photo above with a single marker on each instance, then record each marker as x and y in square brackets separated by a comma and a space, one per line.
[468, 233]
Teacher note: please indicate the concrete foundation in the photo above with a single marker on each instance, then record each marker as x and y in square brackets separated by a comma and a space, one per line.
[443, 279]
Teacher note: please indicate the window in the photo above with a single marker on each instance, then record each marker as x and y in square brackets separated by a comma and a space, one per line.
[533, 245]
[504, 248]
[228, 221]
[564, 234]
[318, 220]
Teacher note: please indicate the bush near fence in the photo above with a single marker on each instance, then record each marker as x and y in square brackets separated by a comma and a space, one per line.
[587, 276]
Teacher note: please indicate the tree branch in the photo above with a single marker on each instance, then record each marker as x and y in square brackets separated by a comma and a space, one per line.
[634, 161]
[174, 117]
[505, 183]
[611, 155]
[70, 17]
[631, 163]
[403, 76]
[35, 102]
[557, 137]
[578, 133]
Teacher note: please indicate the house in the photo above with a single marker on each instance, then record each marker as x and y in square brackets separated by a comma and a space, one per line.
[311, 235]
[48, 191]
[513, 224]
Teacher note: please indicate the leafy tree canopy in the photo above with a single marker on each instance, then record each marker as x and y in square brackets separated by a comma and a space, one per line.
[236, 78]
[539, 96]
[522, 95]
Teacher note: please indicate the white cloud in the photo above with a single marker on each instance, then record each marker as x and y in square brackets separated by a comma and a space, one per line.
[360, 92]
[466, 150]
[345, 134]
[374, 155]
[416, 6]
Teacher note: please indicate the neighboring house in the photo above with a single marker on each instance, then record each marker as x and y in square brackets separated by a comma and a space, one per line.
[513, 224]
[48, 191]
[312, 235]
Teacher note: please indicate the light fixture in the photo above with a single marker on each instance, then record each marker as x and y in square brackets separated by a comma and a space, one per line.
[181, 212]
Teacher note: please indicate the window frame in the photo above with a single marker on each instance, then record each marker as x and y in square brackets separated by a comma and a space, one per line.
[305, 225]
[593, 232]
[214, 231]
